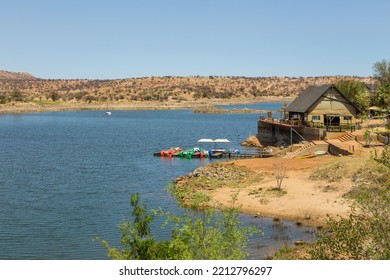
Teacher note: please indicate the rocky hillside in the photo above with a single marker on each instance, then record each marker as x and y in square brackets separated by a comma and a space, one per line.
[24, 87]
[6, 75]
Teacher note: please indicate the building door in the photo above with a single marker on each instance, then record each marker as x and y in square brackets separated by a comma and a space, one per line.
[332, 120]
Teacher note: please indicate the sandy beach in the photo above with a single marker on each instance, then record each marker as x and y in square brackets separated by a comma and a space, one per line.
[306, 200]
[303, 198]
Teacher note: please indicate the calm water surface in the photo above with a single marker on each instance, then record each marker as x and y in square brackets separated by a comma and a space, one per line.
[66, 177]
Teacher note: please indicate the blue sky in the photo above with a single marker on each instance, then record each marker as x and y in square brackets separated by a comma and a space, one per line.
[66, 39]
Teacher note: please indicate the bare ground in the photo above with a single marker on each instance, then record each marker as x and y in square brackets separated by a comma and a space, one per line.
[306, 196]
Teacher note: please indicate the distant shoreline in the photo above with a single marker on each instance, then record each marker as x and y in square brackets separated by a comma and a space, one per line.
[33, 107]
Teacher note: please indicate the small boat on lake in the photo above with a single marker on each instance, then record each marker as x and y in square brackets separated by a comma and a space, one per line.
[108, 112]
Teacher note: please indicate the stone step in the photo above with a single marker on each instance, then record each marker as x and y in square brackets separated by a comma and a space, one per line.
[347, 137]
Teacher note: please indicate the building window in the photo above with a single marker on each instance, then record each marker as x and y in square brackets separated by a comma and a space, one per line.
[295, 117]
[347, 118]
[315, 118]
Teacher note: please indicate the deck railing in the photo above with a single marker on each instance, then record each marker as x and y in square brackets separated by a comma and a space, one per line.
[319, 125]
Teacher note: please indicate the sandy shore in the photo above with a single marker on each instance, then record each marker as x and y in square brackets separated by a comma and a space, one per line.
[304, 199]
[309, 201]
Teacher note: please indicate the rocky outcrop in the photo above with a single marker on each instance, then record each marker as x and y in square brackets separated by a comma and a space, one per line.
[251, 141]
[7, 75]
[216, 175]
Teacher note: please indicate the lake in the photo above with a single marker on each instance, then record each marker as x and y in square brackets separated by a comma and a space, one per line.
[66, 177]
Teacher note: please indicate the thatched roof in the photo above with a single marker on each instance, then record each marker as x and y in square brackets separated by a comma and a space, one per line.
[309, 96]
[306, 98]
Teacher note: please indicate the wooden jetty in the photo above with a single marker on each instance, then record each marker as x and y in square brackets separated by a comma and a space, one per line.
[211, 154]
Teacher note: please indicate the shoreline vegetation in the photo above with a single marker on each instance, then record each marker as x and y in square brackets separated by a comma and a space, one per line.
[199, 106]
[212, 109]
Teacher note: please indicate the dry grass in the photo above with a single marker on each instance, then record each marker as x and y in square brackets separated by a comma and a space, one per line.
[339, 168]
[160, 90]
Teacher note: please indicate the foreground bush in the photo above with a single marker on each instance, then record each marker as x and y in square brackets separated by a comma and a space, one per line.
[365, 234]
[195, 236]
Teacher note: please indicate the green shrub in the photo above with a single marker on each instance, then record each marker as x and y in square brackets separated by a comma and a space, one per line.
[207, 235]
[365, 234]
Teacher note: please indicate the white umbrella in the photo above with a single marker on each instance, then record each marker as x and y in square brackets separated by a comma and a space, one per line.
[221, 141]
[206, 140]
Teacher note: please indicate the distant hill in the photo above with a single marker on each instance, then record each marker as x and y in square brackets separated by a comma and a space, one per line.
[26, 88]
[6, 75]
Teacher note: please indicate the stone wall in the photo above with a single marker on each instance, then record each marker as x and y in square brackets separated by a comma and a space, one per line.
[275, 134]
[336, 151]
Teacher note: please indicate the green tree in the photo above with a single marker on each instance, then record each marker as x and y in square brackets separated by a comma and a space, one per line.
[53, 95]
[3, 98]
[383, 158]
[137, 241]
[17, 95]
[355, 91]
[382, 71]
[383, 96]
[209, 234]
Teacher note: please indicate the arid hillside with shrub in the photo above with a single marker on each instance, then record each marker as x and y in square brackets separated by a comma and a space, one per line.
[23, 87]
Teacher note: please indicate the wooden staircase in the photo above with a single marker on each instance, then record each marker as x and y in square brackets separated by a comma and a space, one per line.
[347, 137]
[300, 150]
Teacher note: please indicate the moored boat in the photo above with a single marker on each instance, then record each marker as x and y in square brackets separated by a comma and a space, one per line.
[320, 153]
[212, 152]
[171, 152]
[310, 155]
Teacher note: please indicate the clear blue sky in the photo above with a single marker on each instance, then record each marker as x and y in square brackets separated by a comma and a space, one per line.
[96, 39]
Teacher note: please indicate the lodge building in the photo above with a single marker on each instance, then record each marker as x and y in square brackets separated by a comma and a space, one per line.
[316, 112]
